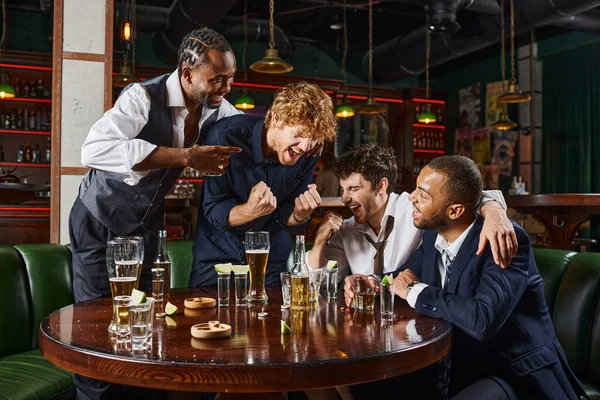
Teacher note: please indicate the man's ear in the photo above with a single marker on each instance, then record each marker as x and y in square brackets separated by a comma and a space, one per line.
[186, 73]
[382, 186]
[455, 211]
[273, 120]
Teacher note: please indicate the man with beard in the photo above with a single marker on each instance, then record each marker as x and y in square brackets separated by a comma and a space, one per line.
[268, 186]
[136, 152]
[380, 236]
[504, 344]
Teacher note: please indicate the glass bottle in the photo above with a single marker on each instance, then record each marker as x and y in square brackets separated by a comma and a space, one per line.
[1, 153]
[163, 261]
[300, 281]
[27, 154]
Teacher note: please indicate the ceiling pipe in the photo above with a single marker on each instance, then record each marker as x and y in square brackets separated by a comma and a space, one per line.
[401, 57]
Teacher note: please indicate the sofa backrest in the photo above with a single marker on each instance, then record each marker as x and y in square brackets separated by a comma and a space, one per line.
[180, 253]
[575, 306]
[15, 312]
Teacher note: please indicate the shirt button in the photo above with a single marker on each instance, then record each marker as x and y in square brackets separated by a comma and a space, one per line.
[433, 308]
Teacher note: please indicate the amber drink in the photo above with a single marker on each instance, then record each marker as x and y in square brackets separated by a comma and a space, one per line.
[300, 278]
[257, 256]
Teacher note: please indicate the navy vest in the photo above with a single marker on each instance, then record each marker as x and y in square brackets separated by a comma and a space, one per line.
[123, 209]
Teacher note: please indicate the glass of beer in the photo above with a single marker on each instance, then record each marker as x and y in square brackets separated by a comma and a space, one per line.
[140, 239]
[257, 255]
[123, 264]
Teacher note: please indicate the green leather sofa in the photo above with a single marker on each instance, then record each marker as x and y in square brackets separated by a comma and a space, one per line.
[37, 280]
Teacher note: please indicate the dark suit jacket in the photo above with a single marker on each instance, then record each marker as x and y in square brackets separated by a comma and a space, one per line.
[501, 322]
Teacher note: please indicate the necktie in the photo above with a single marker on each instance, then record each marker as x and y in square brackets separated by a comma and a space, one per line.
[380, 246]
[448, 265]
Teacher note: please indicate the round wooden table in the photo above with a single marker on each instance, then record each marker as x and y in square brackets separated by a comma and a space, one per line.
[329, 347]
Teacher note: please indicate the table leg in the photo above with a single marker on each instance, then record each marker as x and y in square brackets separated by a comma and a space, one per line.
[562, 228]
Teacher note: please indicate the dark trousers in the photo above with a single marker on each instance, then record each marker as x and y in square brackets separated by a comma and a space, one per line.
[90, 281]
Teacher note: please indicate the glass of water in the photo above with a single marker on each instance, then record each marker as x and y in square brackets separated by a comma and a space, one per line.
[241, 288]
[315, 284]
[223, 288]
[332, 282]
[158, 283]
[285, 287]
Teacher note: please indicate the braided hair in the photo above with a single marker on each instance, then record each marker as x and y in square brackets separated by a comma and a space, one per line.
[194, 46]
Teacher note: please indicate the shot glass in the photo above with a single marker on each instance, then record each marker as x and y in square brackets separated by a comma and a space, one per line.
[332, 283]
[223, 281]
[364, 292]
[386, 301]
[241, 289]
[141, 324]
[285, 287]
[158, 283]
[123, 321]
[315, 284]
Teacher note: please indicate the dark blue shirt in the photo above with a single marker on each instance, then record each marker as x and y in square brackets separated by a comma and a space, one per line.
[216, 241]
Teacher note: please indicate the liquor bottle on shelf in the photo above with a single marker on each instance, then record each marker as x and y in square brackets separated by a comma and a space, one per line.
[20, 155]
[31, 122]
[416, 166]
[417, 112]
[25, 89]
[27, 154]
[13, 120]
[35, 155]
[1, 153]
[17, 87]
[38, 121]
[439, 116]
[32, 89]
[414, 140]
[48, 152]
[39, 89]
[19, 121]
[26, 119]
[6, 120]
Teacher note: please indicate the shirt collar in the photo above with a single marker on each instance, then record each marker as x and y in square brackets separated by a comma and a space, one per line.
[175, 96]
[442, 245]
[389, 211]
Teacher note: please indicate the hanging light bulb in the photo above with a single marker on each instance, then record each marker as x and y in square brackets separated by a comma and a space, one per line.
[503, 123]
[245, 102]
[345, 109]
[126, 75]
[427, 116]
[514, 94]
[271, 63]
[371, 107]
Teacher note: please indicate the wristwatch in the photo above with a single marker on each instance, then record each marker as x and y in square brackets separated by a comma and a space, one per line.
[410, 286]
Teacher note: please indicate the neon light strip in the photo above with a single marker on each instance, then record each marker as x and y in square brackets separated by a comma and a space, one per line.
[8, 164]
[20, 66]
[27, 99]
[25, 215]
[24, 208]
[429, 126]
[17, 132]
[429, 151]
[429, 101]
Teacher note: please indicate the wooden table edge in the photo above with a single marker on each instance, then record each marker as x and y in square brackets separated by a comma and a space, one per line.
[290, 377]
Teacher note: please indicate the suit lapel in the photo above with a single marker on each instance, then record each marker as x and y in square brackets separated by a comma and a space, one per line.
[468, 248]
[429, 268]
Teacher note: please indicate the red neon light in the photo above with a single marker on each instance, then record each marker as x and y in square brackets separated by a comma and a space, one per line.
[429, 101]
[191, 180]
[24, 208]
[24, 215]
[20, 66]
[8, 164]
[429, 151]
[17, 132]
[27, 99]
[429, 126]
[382, 99]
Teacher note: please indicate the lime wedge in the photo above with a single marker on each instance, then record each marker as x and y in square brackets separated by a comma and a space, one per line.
[285, 329]
[171, 322]
[240, 269]
[138, 296]
[332, 264]
[170, 309]
[223, 268]
[387, 280]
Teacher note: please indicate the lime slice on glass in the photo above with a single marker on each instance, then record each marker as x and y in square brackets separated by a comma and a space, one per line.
[170, 309]
[285, 329]
[332, 264]
[223, 268]
[138, 296]
[387, 280]
[240, 269]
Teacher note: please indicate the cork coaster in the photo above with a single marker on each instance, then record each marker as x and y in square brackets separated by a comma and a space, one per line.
[211, 330]
[198, 303]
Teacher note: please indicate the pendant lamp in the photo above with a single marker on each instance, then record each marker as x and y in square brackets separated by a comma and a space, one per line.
[514, 94]
[371, 107]
[345, 109]
[427, 116]
[271, 63]
[245, 102]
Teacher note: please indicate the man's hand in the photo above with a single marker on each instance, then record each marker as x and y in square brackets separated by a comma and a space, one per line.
[261, 201]
[307, 202]
[210, 159]
[401, 282]
[332, 222]
[348, 290]
[498, 230]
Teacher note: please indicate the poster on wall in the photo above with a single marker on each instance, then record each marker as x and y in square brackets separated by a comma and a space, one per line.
[504, 143]
[463, 142]
[491, 176]
[469, 103]
[481, 146]
[492, 107]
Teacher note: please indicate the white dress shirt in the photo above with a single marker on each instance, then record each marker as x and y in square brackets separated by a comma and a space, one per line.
[111, 144]
[354, 253]
[442, 246]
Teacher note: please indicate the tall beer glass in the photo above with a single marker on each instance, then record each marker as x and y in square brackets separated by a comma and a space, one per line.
[141, 250]
[123, 264]
[257, 255]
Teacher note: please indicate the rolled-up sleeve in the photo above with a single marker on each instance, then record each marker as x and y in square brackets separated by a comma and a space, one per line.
[111, 144]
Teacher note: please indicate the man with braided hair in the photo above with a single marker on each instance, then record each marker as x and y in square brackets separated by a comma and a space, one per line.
[135, 153]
